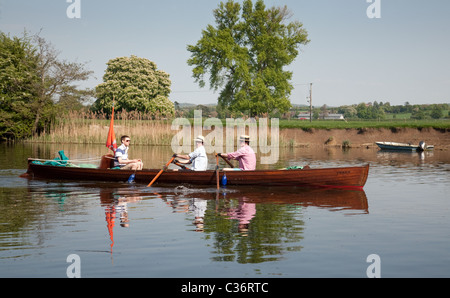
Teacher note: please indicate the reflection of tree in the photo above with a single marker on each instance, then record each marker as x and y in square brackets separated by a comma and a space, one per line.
[26, 216]
[16, 213]
[259, 225]
[272, 231]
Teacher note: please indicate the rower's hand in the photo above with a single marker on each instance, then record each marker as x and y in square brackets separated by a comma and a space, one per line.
[175, 155]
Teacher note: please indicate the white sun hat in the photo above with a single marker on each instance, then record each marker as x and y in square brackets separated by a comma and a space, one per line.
[199, 139]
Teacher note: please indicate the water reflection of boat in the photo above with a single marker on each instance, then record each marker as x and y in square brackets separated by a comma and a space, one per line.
[244, 224]
[329, 198]
[254, 225]
[402, 157]
[339, 177]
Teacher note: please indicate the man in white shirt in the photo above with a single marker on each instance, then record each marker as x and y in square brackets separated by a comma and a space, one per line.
[121, 156]
[198, 157]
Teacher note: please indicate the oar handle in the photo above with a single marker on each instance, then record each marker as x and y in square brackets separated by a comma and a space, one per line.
[160, 172]
[229, 163]
[179, 164]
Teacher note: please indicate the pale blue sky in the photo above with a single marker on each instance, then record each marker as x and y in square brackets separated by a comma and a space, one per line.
[402, 56]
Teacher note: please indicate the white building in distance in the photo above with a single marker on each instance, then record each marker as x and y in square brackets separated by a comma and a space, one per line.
[305, 116]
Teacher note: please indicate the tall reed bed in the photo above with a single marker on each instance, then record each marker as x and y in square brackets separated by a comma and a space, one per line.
[85, 127]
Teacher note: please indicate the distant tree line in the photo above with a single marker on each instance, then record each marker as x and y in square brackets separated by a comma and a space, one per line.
[381, 110]
[364, 111]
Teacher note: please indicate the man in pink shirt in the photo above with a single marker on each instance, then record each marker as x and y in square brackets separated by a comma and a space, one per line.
[245, 155]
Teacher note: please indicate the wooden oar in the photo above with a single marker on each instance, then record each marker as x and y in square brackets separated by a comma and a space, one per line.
[229, 163]
[160, 172]
[179, 164]
[217, 171]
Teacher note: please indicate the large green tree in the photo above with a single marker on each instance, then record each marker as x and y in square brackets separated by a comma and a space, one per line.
[18, 78]
[32, 80]
[245, 55]
[134, 84]
[57, 79]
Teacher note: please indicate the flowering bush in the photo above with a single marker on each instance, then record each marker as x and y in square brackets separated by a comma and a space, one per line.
[135, 84]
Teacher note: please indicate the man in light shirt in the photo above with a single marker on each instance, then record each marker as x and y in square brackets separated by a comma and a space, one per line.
[245, 155]
[121, 156]
[197, 158]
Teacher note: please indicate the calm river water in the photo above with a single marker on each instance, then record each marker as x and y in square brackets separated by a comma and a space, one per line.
[129, 230]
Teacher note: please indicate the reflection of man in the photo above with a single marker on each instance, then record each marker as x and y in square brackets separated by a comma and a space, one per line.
[244, 214]
[198, 157]
[121, 207]
[198, 207]
[245, 155]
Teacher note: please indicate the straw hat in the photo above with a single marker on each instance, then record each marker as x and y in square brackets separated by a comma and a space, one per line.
[244, 138]
[199, 139]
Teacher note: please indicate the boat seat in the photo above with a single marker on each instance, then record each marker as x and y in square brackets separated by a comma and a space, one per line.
[107, 161]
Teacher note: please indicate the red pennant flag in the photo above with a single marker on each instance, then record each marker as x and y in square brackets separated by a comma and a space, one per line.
[110, 213]
[111, 140]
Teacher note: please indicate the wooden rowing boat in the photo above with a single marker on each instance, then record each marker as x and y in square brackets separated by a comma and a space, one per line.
[340, 177]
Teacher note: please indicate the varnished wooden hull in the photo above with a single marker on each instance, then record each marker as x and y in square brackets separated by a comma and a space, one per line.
[341, 177]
